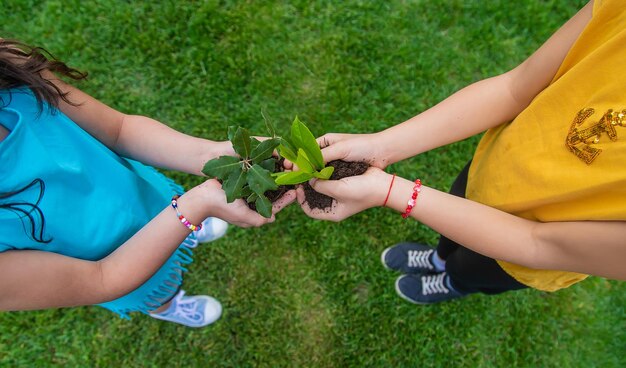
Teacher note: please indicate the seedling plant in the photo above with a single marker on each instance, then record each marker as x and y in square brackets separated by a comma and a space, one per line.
[255, 172]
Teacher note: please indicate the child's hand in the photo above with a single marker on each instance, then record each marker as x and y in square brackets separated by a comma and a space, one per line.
[352, 194]
[353, 147]
[222, 148]
[237, 213]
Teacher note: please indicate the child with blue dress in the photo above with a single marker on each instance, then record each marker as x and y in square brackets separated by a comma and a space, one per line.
[83, 219]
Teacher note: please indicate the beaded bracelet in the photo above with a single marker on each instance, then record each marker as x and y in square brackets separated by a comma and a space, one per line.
[182, 218]
[417, 188]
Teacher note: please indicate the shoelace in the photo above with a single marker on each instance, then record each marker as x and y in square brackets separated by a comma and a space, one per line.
[433, 284]
[186, 309]
[420, 258]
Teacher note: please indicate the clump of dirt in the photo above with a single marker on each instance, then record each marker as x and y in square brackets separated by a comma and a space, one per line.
[343, 169]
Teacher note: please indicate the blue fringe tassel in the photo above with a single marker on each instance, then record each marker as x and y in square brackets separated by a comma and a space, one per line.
[145, 301]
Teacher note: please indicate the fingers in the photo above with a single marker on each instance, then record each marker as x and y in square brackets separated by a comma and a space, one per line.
[241, 215]
[248, 218]
[300, 196]
[258, 220]
[303, 203]
[328, 187]
[332, 153]
[329, 139]
[288, 165]
[284, 201]
[319, 214]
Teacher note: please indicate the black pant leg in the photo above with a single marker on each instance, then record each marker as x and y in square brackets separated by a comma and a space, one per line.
[472, 272]
[447, 246]
[469, 271]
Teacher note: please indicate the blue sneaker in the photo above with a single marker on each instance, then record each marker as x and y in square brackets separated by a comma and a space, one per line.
[191, 311]
[426, 289]
[213, 228]
[409, 258]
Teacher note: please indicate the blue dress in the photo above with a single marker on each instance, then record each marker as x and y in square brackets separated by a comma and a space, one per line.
[92, 199]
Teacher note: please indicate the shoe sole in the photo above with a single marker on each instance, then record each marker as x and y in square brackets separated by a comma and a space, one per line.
[218, 306]
[397, 285]
[401, 295]
[382, 259]
[218, 230]
[209, 301]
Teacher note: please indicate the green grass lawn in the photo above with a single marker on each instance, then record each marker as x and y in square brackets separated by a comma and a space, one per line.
[302, 293]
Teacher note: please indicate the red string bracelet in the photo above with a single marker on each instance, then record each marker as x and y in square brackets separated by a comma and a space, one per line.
[182, 218]
[417, 188]
[389, 191]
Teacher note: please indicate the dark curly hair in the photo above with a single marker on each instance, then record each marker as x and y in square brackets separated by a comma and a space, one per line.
[23, 66]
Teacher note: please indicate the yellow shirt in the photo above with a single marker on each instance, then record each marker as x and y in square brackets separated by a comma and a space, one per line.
[564, 157]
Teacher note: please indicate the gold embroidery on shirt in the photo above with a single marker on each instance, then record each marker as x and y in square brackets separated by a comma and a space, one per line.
[580, 141]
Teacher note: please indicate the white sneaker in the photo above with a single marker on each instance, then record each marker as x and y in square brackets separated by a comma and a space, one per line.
[212, 229]
[191, 311]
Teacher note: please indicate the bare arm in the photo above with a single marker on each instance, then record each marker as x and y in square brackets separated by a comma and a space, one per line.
[591, 247]
[487, 103]
[471, 110]
[34, 279]
[139, 137]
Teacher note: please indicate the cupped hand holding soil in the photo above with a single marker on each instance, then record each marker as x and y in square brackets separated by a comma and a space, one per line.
[343, 169]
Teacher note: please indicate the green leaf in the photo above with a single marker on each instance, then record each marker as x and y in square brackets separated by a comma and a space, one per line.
[293, 177]
[233, 184]
[325, 173]
[269, 165]
[268, 125]
[264, 150]
[260, 180]
[303, 162]
[264, 206]
[221, 167]
[231, 132]
[287, 152]
[252, 197]
[289, 144]
[303, 138]
[241, 142]
[254, 143]
[245, 191]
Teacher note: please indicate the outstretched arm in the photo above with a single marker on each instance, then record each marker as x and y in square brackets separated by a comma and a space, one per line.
[35, 279]
[139, 137]
[591, 247]
[473, 109]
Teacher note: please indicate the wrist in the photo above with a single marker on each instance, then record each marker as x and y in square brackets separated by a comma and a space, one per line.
[400, 194]
[214, 149]
[386, 144]
[198, 204]
[382, 188]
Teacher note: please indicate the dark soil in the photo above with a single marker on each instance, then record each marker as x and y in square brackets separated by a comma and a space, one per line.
[343, 169]
[274, 195]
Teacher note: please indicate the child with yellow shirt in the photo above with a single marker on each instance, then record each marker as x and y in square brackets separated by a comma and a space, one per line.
[542, 203]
